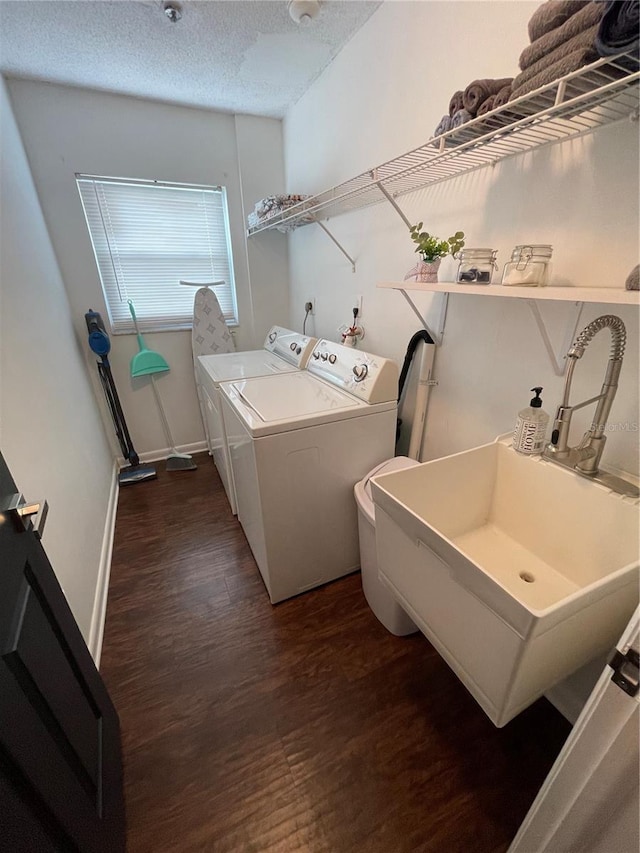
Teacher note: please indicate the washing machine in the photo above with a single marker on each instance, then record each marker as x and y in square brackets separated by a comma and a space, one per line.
[284, 352]
[298, 443]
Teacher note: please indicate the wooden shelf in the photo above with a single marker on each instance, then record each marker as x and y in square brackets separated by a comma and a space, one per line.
[610, 295]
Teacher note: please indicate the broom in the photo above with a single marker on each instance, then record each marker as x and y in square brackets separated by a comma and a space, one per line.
[147, 363]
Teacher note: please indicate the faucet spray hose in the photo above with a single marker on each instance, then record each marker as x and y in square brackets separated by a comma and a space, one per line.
[618, 336]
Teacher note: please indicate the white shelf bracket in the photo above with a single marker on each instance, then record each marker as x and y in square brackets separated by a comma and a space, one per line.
[438, 336]
[389, 198]
[558, 360]
[339, 245]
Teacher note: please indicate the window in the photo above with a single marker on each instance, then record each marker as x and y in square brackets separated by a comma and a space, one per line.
[146, 237]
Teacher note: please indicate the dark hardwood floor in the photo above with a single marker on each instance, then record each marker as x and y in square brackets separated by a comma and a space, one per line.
[307, 727]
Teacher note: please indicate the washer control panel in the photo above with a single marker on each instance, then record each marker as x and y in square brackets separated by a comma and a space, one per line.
[366, 376]
[291, 346]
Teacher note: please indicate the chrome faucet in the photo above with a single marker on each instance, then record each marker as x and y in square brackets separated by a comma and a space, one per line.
[585, 457]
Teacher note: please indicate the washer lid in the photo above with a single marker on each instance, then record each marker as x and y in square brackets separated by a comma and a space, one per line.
[275, 404]
[240, 365]
[293, 396]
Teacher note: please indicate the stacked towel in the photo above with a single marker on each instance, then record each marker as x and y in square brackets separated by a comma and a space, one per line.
[502, 97]
[479, 90]
[557, 63]
[584, 19]
[551, 15]
[443, 127]
[487, 105]
[619, 28]
[633, 279]
[270, 206]
[460, 118]
[456, 103]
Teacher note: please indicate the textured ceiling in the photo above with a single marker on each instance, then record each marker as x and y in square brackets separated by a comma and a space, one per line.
[234, 55]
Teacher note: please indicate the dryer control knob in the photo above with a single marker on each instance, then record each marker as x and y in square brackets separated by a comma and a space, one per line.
[324, 356]
[360, 371]
[316, 355]
[272, 337]
[292, 346]
[333, 358]
[298, 350]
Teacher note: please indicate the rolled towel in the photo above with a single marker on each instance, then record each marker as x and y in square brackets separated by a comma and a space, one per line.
[552, 14]
[633, 279]
[619, 28]
[502, 97]
[581, 42]
[446, 123]
[585, 18]
[479, 90]
[460, 118]
[565, 65]
[487, 106]
[455, 103]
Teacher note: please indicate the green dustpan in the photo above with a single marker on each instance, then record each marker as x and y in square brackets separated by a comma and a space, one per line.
[146, 361]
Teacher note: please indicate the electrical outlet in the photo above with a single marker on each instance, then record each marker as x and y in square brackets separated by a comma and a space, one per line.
[310, 305]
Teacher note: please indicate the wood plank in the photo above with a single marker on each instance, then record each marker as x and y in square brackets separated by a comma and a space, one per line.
[301, 727]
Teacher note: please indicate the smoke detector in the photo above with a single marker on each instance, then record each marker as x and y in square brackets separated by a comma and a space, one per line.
[303, 11]
[173, 11]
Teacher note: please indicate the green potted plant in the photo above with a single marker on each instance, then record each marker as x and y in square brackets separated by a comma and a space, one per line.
[432, 250]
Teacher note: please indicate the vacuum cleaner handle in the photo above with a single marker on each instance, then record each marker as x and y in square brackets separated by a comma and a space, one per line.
[119, 422]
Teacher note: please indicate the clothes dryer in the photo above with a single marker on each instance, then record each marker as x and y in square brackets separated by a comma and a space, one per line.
[298, 443]
[284, 351]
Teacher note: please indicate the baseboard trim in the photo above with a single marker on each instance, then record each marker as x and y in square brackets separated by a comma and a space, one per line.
[98, 618]
[161, 454]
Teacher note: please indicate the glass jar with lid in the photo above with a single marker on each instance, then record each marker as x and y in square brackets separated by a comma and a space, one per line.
[476, 266]
[529, 266]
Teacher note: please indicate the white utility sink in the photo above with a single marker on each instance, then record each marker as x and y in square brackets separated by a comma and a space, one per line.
[517, 570]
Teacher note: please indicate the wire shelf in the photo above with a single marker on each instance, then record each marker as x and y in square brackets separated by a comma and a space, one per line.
[599, 94]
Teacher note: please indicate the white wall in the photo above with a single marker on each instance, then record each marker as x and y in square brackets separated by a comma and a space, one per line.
[68, 130]
[51, 434]
[383, 95]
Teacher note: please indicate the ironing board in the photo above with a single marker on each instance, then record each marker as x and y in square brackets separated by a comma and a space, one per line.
[210, 334]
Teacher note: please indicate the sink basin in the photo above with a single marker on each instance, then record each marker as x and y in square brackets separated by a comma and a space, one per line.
[517, 570]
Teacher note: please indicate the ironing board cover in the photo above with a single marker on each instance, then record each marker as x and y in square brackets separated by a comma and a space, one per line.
[210, 332]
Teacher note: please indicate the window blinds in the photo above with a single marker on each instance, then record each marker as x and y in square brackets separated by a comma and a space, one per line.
[146, 237]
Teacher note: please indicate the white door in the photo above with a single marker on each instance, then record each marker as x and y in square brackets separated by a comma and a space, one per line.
[589, 801]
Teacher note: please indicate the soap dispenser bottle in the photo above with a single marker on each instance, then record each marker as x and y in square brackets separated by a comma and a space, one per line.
[531, 426]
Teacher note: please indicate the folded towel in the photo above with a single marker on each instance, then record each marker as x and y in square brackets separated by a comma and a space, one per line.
[460, 118]
[580, 42]
[444, 126]
[502, 97]
[479, 90]
[446, 123]
[487, 105]
[455, 103]
[586, 17]
[565, 65]
[552, 14]
[619, 28]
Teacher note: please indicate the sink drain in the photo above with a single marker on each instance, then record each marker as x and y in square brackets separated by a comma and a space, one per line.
[527, 577]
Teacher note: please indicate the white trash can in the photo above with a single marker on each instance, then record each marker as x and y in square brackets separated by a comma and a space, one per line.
[379, 597]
